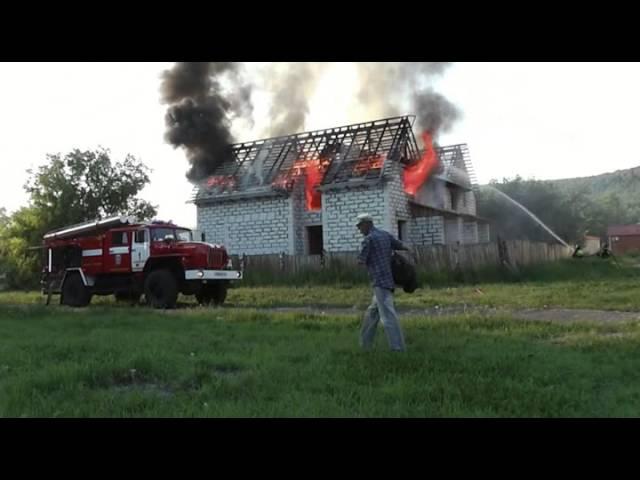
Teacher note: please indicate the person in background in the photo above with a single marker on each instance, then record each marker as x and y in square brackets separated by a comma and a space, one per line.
[577, 252]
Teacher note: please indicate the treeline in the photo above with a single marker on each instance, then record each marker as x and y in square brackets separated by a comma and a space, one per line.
[571, 208]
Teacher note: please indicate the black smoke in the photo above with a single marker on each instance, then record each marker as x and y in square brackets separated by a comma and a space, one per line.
[200, 112]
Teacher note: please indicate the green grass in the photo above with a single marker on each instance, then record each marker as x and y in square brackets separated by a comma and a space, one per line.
[612, 294]
[134, 362]
[567, 269]
[604, 294]
[586, 283]
[114, 360]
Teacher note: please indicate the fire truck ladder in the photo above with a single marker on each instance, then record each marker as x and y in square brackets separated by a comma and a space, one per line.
[88, 227]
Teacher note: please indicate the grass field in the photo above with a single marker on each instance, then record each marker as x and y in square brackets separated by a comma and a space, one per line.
[199, 362]
[618, 294]
[112, 360]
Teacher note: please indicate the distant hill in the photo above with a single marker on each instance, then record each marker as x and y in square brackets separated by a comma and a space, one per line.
[571, 207]
[623, 183]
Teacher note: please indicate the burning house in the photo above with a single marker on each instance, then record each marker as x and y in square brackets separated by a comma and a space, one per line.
[299, 194]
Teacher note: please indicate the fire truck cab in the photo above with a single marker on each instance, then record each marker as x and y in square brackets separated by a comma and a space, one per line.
[122, 257]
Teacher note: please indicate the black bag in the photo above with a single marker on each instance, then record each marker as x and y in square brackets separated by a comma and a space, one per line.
[404, 273]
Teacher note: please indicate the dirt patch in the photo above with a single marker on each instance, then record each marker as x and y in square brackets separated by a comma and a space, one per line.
[574, 338]
[575, 315]
[535, 314]
[430, 311]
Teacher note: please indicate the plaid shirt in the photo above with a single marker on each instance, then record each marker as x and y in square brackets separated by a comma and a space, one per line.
[376, 255]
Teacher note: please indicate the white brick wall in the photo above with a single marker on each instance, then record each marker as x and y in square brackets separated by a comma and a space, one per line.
[250, 226]
[426, 231]
[278, 224]
[339, 211]
[470, 232]
[396, 200]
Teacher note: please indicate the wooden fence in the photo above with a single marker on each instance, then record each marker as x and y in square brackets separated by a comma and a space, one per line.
[429, 258]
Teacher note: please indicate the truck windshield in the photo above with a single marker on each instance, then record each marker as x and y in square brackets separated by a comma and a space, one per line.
[159, 234]
[184, 235]
[181, 235]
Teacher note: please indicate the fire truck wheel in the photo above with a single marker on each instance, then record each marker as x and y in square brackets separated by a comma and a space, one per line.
[204, 297]
[219, 294]
[74, 293]
[161, 289]
[213, 294]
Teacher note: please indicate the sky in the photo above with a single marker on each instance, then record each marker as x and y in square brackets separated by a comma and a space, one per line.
[536, 120]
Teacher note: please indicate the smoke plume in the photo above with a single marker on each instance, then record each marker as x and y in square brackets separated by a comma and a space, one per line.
[290, 85]
[200, 114]
[205, 98]
[434, 112]
[385, 87]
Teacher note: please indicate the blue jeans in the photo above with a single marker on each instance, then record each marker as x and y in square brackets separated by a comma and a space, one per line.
[382, 308]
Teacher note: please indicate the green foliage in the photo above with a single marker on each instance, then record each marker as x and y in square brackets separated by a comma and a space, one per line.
[571, 207]
[79, 186]
[87, 185]
[590, 283]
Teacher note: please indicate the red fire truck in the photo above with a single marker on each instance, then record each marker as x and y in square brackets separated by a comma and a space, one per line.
[122, 257]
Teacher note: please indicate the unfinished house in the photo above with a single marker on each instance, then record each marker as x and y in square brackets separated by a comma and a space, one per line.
[300, 194]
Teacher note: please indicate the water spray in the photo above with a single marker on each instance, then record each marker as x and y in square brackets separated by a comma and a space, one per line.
[523, 208]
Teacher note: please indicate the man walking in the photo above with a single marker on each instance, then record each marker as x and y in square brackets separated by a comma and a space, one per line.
[376, 251]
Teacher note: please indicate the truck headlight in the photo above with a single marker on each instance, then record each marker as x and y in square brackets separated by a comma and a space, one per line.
[200, 274]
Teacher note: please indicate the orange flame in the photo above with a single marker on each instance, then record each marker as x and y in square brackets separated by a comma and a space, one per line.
[282, 181]
[415, 175]
[221, 181]
[315, 174]
[314, 171]
[366, 163]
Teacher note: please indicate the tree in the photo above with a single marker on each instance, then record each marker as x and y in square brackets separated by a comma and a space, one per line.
[607, 210]
[87, 185]
[4, 220]
[559, 211]
[79, 186]
[18, 233]
[569, 209]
